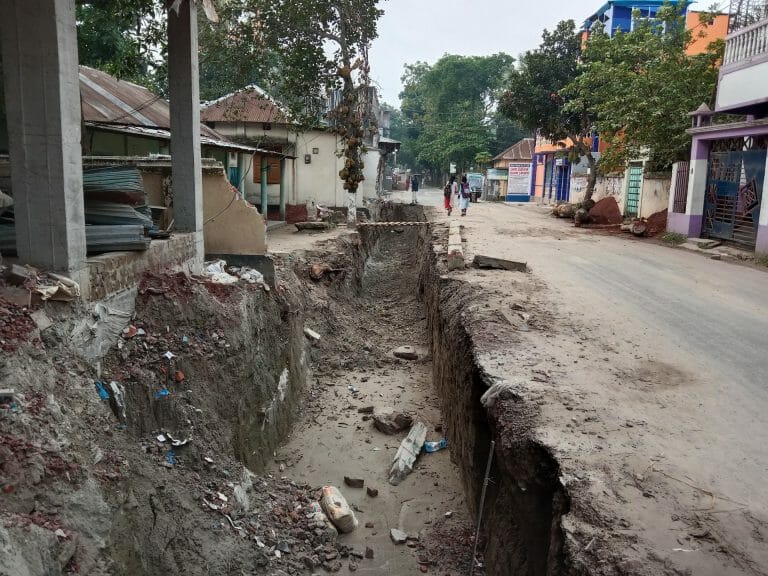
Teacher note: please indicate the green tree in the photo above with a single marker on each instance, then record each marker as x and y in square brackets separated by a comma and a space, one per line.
[124, 38]
[535, 97]
[324, 49]
[448, 108]
[233, 53]
[505, 132]
[641, 86]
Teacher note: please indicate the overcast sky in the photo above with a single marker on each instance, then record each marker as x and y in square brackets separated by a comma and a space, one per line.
[412, 30]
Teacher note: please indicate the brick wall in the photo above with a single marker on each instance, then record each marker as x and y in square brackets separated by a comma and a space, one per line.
[117, 271]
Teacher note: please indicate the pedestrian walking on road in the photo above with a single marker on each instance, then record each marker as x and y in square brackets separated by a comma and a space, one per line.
[448, 191]
[464, 196]
[414, 188]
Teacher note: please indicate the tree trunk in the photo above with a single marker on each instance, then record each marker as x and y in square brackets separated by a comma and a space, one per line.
[351, 209]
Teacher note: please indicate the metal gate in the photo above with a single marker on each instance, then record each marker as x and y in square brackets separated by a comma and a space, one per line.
[680, 200]
[633, 190]
[734, 191]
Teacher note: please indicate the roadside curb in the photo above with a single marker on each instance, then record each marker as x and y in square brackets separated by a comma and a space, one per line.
[455, 249]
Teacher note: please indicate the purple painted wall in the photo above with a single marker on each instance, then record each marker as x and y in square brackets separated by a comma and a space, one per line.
[678, 223]
[762, 239]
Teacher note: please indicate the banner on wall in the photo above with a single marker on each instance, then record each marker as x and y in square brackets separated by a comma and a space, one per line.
[519, 179]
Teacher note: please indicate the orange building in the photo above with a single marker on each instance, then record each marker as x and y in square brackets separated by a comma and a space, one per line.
[703, 34]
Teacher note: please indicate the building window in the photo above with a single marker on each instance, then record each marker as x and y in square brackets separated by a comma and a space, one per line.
[273, 169]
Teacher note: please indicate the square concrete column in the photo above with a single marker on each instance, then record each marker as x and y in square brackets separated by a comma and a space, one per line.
[690, 223]
[183, 76]
[283, 179]
[42, 101]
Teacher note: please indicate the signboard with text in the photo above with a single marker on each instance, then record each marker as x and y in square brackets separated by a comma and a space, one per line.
[519, 179]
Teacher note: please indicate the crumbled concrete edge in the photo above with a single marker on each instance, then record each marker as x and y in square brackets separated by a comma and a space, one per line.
[455, 248]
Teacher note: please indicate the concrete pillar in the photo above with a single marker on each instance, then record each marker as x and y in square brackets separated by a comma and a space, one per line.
[697, 186]
[282, 189]
[761, 245]
[264, 176]
[186, 168]
[42, 99]
[690, 223]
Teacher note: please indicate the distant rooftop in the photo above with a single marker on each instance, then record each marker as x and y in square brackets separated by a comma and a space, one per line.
[650, 5]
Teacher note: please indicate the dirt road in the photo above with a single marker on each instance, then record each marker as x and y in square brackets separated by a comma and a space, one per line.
[648, 366]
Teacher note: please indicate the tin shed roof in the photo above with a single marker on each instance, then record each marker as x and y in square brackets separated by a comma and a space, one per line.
[251, 104]
[522, 150]
[108, 100]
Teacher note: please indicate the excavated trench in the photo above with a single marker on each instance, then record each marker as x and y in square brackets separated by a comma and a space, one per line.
[521, 532]
[244, 375]
[521, 526]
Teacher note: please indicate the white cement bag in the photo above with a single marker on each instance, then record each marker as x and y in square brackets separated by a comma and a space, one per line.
[335, 506]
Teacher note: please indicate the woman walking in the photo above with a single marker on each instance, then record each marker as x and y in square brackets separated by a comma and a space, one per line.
[464, 196]
[448, 191]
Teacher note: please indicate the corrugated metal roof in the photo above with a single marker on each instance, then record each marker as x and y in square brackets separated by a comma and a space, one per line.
[163, 134]
[251, 104]
[522, 150]
[107, 100]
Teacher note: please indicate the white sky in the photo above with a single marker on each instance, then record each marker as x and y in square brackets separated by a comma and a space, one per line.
[412, 30]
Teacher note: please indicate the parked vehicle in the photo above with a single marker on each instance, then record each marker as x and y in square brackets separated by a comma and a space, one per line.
[476, 181]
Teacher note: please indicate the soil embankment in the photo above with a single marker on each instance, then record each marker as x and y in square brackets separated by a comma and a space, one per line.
[525, 500]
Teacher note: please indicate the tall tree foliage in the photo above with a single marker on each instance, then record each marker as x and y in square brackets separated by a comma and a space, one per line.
[448, 108]
[536, 99]
[324, 46]
[233, 53]
[641, 86]
[125, 38]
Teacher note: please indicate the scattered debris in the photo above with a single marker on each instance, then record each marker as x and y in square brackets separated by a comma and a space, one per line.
[335, 506]
[392, 423]
[406, 353]
[372, 492]
[216, 272]
[409, 450]
[369, 553]
[321, 225]
[103, 394]
[499, 263]
[366, 410]
[435, 446]
[311, 334]
[398, 536]
[354, 482]
[638, 228]
[41, 319]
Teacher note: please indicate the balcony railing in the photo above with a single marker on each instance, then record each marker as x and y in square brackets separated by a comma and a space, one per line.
[746, 43]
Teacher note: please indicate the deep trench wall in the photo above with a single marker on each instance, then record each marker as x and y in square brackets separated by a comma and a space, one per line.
[521, 524]
[247, 392]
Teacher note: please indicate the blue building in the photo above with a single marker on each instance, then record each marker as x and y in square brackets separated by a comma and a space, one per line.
[617, 14]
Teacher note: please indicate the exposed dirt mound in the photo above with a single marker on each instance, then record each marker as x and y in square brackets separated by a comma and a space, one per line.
[656, 223]
[606, 211]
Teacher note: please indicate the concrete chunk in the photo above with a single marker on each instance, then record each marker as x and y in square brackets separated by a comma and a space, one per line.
[409, 450]
[300, 226]
[398, 536]
[499, 263]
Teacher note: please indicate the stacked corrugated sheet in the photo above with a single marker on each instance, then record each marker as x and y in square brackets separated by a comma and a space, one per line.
[120, 184]
[97, 238]
[117, 217]
[116, 213]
